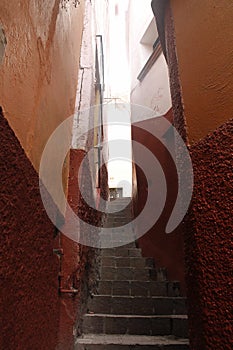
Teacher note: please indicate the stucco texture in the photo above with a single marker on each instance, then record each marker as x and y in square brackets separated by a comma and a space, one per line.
[203, 34]
[208, 243]
[29, 309]
[34, 315]
[38, 83]
[167, 249]
[39, 72]
[199, 57]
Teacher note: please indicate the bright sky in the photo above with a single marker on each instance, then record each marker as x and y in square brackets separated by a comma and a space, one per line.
[118, 79]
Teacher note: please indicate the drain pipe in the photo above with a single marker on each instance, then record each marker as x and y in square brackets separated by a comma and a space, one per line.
[59, 252]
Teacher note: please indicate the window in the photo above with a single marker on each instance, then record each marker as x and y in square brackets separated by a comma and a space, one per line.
[151, 46]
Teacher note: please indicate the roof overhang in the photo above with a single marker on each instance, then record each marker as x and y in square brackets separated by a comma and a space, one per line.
[159, 9]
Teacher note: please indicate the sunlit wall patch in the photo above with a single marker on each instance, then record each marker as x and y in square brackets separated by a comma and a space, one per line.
[3, 43]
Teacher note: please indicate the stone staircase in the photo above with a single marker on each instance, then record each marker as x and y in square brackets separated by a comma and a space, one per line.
[136, 307]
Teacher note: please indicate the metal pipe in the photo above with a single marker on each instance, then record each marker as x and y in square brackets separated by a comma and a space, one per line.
[71, 291]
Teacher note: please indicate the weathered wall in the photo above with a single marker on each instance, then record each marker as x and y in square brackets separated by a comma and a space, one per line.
[179, 120]
[80, 263]
[79, 267]
[167, 249]
[201, 100]
[203, 32]
[74, 264]
[208, 242]
[29, 305]
[38, 77]
[38, 83]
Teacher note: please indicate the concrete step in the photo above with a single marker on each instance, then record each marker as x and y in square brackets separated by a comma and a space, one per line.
[139, 288]
[121, 199]
[139, 262]
[117, 213]
[137, 305]
[118, 216]
[118, 201]
[130, 342]
[124, 206]
[135, 324]
[115, 223]
[131, 245]
[132, 273]
[121, 251]
[111, 224]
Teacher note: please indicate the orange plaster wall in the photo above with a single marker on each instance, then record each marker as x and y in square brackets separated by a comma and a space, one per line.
[203, 32]
[38, 77]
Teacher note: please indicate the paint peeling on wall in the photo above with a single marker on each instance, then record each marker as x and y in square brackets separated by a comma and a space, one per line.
[66, 3]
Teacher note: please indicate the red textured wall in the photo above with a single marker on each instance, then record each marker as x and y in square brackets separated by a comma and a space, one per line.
[208, 242]
[28, 268]
[208, 230]
[33, 314]
[41, 63]
[167, 249]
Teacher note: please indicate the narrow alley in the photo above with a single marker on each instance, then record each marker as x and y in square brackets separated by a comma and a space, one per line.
[135, 306]
[116, 144]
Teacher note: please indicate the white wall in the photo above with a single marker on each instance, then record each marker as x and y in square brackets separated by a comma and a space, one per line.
[117, 69]
[140, 16]
[154, 90]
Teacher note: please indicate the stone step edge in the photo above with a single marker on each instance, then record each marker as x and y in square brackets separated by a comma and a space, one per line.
[123, 257]
[183, 317]
[127, 246]
[135, 281]
[139, 282]
[138, 297]
[120, 245]
[119, 268]
[125, 339]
